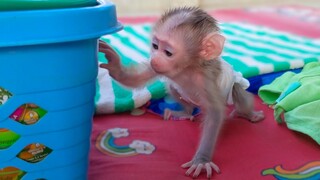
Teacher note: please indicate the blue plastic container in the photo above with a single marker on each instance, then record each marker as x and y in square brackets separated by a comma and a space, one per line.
[48, 58]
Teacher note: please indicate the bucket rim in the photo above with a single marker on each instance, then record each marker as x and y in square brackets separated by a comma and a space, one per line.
[43, 26]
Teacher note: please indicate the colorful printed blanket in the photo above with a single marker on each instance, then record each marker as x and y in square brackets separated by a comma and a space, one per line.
[251, 49]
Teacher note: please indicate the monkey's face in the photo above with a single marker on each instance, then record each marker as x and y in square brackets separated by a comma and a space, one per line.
[166, 54]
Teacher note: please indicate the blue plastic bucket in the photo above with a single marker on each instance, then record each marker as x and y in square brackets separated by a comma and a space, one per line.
[48, 59]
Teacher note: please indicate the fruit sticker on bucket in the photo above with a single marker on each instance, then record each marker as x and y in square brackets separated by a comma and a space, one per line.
[11, 173]
[34, 153]
[4, 96]
[7, 138]
[28, 114]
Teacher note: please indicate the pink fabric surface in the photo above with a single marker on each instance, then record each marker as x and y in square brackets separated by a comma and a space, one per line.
[243, 151]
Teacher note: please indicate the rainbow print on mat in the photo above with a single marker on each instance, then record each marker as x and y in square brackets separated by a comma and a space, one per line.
[310, 171]
[106, 144]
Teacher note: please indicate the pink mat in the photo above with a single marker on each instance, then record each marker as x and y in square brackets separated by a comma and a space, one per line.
[244, 149]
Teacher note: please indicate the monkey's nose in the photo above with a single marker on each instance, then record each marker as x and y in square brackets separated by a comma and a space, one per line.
[153, 63]
[155, 66]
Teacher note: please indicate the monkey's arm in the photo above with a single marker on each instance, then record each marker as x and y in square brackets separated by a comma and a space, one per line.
[132, 76]
[213, 111]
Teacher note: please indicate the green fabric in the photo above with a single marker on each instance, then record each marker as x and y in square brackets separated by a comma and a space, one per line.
[308, 91]
[299, 102]
[271, 92]
[305, 119]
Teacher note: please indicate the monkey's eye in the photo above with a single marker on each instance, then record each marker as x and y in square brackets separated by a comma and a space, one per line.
[154, 46]
[168, 53]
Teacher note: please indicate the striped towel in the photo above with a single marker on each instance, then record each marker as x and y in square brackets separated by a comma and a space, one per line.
[250, 49]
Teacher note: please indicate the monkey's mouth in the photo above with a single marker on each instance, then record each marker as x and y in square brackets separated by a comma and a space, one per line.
[156, 68]
[161, 71]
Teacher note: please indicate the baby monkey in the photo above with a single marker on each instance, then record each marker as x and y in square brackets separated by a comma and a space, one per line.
[186, 49]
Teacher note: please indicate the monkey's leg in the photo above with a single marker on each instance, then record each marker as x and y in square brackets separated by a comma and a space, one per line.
[243, 102]
[180, 115]
[187, 111]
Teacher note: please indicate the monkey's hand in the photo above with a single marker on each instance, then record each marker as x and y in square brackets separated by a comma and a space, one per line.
[114, 65]
[197, 165]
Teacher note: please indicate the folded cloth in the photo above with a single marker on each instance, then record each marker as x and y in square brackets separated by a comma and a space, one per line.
[305, 119]
[291, 95]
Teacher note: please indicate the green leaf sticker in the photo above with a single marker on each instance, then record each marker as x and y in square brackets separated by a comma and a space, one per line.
[7, 138]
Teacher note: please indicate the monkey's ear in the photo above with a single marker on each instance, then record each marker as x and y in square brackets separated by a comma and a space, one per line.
[212, 46]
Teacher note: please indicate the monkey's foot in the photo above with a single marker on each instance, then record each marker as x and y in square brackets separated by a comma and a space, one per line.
[254, 116]
[177, 115]
[198, 167]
